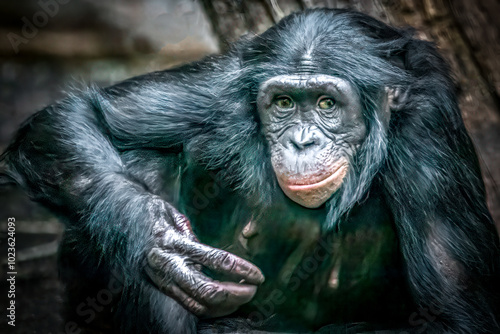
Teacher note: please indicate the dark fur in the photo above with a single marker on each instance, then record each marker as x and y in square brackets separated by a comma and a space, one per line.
[100, 157]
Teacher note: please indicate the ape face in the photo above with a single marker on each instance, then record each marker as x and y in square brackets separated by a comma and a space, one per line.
[314, 125]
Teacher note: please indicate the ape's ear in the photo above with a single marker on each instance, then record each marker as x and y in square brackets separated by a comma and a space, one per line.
[396, 98]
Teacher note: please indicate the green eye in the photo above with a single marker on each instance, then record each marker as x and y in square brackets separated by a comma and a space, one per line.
[326, 103]
[284, 103]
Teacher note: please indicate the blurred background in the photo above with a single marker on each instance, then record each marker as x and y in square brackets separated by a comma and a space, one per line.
[48, 46]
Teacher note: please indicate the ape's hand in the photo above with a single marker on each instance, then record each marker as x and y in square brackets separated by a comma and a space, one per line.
[174, 266]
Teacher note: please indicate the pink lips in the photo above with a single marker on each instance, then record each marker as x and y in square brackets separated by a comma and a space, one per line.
[320, 184]
[313, 195]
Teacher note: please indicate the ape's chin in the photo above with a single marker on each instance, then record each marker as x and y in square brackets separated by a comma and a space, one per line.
[316, 194]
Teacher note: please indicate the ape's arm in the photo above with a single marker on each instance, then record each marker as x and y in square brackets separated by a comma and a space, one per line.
[66, 157]
[437, 195]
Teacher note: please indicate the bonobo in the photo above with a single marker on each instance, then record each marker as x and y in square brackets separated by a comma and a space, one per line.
[327, 154]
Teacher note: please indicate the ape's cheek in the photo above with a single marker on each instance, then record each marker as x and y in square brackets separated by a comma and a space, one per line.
[313, 194]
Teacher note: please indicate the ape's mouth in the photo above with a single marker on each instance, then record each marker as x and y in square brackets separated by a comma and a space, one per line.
[313, 195]
[313, 182]
[336, 176]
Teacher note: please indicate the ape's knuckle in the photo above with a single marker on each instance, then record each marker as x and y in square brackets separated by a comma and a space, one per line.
[199, 310]
[166, 283]
[170, 238]
[222, 260]
[193, 306]
[227, 262]
[154, 257]
[202, 290]
[180, 220]
[210, 293]
[210, 256]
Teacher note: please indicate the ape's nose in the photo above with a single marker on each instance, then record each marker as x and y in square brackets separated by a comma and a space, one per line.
[301, 144]
[304, 138]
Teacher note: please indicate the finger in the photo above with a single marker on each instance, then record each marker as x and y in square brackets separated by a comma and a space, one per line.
[223, 262]
[191, 304]
[173, 291]
[166, 269]
[198, 309]
[215, 293]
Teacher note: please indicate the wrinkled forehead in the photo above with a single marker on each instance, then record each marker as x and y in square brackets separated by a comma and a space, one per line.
[304, 82]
